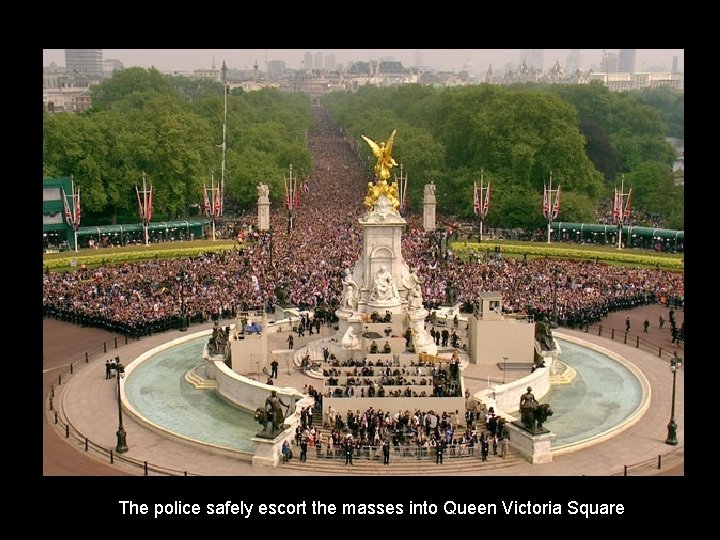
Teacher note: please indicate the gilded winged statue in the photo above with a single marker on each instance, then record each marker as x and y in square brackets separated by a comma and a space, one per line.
[385, 161]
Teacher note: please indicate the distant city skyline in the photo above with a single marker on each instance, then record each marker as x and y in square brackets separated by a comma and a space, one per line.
[442, 59]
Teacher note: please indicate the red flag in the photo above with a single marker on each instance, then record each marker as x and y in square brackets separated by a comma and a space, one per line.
[287, 195]
[476, 199]
[556, 206]
[296, 199]
[546, 202]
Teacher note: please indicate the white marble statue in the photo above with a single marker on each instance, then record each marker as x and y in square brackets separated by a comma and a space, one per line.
[263, 191]
[421, 338]
[350, 290]
[384, 288]
[350, 340]
[412, 283]
[429, 190]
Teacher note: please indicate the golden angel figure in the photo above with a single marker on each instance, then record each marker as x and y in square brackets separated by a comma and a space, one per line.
[385, 161]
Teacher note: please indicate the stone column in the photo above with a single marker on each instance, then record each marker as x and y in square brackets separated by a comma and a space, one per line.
[429, 203]
[263, 208]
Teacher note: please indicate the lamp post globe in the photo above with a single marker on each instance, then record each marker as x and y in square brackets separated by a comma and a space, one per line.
[675, 364]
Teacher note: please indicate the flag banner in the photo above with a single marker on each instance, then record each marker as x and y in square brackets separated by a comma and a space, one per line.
[207, 210]
[617, 205]
[68, 213]
[217, 207]
[628, 205]
[546, 202]
[486, 202]
[476, 199]
[556, 206]
[149, 206]
[140, 204]
[77, 213]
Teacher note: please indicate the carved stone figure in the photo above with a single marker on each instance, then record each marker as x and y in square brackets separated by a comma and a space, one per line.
[384, 287]
[263, 190]
[350, 340]
[412, 283]
[350, 291]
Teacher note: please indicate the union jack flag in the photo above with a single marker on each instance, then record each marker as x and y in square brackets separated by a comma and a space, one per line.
[206, 202]
[476, 199]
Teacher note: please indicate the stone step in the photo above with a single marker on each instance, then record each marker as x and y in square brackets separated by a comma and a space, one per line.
[401, 465]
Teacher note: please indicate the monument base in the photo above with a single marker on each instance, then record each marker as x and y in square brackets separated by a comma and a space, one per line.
[534, 447]
[286, 312]
[268, 452]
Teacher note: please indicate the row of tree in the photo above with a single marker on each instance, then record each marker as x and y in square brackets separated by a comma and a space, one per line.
[171, 129]
[586, 135]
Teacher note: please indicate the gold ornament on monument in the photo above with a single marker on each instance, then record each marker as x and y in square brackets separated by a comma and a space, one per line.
[384, 165]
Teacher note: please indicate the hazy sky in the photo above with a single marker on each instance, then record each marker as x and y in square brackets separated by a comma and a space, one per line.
[445, 59]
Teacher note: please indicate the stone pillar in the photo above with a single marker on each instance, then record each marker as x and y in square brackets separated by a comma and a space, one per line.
[263, 208]
[429, 203]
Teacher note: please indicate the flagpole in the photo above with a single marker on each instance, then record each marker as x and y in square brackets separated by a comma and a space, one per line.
[480, 213]
[74, 213]
[144, 211]
[549, 215]
[224, 148]
[212, 198]
[622, 210]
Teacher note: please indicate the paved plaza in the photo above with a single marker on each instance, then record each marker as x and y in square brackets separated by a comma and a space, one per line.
[89, 401]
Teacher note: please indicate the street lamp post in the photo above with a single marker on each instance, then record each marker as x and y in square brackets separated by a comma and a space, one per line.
[675, 364]
[554, 322]
[122, 446]
[182, 279]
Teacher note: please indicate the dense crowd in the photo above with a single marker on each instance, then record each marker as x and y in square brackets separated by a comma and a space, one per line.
[309, 260]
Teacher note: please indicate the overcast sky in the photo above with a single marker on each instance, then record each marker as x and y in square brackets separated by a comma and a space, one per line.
[444, 59]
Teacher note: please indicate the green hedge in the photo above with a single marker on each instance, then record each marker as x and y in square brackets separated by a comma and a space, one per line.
[106, 256]
[627, 258]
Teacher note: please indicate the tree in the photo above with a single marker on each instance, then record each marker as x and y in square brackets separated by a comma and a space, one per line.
[128, 83]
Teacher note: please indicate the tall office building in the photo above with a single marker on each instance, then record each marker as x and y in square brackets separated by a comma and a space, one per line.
[675, 64]
[418, 59]
[573, 61]
[533, 58]
[611, 64]
[318, 63]
[308, 60]
[627, 60]
[329, 62]
[87, 62]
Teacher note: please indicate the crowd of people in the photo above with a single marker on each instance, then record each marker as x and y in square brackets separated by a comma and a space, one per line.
[369, 433]
[309, 261]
